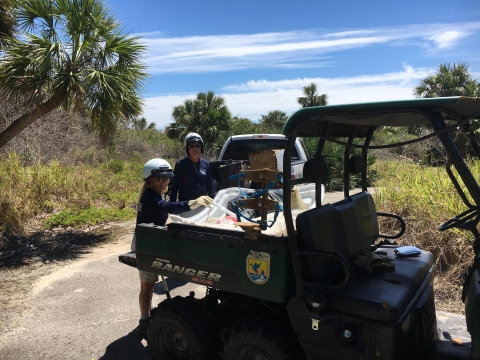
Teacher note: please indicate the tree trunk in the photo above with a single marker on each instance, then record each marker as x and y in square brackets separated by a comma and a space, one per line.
[21, 123]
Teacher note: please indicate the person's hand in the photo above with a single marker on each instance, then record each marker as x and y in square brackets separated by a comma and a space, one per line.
[201, 201]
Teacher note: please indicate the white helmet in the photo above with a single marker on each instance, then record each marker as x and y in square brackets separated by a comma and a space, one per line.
[158, 168]
[193, 137]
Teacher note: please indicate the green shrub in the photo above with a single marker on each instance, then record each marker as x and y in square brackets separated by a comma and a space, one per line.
[115, 165]
[67, 193]
[89, 216]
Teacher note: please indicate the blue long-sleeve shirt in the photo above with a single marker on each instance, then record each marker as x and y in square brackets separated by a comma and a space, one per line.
[153, 209]
[192, 180]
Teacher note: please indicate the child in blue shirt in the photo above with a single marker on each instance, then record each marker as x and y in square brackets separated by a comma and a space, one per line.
[151, 208]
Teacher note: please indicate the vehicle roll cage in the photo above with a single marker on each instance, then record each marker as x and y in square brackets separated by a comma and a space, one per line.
[339, 124]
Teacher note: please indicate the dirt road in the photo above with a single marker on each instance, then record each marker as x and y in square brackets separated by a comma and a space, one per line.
[87, 309]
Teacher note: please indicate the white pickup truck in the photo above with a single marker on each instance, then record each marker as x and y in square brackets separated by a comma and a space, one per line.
[238, 147]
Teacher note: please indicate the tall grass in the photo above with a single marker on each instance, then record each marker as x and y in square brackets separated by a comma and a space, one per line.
[62, 194]
[426, 198]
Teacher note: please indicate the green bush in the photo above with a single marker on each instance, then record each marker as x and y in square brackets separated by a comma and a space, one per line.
[115, 165]
[89, 216]
[66, 194]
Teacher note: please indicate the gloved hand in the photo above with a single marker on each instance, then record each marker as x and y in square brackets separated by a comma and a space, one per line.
[371, 260]
[201, 201]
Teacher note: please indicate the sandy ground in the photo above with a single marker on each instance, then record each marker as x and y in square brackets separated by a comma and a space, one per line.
[20, 284]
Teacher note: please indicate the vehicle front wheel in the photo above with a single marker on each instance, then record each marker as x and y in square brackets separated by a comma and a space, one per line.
[180, 330]
[257, 340]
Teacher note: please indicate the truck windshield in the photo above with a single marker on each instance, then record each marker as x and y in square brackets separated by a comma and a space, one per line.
[240, 149]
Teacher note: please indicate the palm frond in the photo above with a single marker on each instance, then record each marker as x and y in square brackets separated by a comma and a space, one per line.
[76, 50]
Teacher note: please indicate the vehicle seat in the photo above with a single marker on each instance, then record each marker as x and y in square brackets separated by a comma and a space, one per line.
[346, 227]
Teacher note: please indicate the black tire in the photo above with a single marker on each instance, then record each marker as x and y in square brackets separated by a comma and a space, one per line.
[260, 340]
[180, 330]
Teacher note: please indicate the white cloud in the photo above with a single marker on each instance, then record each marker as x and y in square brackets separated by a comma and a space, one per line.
[403, 77]
[447, 39]
[257, 97]
[216, 53]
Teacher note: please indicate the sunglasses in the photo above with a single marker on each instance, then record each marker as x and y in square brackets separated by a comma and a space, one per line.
[160, 171]
[192, 146]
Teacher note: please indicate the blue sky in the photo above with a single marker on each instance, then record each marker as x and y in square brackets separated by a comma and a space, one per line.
[259, 54]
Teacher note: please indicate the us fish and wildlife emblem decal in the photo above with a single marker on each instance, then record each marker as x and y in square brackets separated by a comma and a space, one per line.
[258, 267]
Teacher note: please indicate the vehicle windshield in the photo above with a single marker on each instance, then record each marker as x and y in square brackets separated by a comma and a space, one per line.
[240, 149]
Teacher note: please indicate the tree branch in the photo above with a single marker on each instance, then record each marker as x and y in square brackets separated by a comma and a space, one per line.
[24, 121]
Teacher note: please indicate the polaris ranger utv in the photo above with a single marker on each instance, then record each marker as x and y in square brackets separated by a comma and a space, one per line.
[300, 294]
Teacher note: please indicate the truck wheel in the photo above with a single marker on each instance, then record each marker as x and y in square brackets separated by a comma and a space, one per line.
[258, 340]
[180, 330]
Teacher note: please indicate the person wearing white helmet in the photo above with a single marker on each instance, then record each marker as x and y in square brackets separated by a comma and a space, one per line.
[193, 176]
[152, 208]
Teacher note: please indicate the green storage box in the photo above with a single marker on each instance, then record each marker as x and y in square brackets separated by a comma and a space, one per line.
[218, 258]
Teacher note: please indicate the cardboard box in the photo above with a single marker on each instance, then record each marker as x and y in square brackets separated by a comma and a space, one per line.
[268, 159]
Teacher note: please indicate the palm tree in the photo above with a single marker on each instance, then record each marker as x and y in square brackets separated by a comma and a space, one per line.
[215, 116]
[8, 22]
[185, 116]
[209, 100]
[141, 124]
[207, 115]
[274, 120]
[311, 97]
[450, 80]
[73, 54]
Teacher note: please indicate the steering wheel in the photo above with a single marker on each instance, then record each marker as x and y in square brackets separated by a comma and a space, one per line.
[460, 219]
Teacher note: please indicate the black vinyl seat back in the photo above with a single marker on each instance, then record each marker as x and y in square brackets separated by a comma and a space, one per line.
[315, 170]
[346, 227]
[356, 164]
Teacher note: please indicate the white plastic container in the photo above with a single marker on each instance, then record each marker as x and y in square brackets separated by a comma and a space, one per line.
[307, 192]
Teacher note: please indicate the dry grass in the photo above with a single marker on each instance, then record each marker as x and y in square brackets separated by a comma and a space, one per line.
[71, 195]
[425, 198]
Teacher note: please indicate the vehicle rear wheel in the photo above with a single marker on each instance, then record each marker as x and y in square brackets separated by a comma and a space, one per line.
[258, 340]
[180, 330]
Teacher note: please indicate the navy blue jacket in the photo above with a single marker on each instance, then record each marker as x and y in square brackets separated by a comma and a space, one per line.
[153, 209]
[192, 180]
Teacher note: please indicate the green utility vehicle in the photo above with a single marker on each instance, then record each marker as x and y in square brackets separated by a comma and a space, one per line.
[310, 292]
